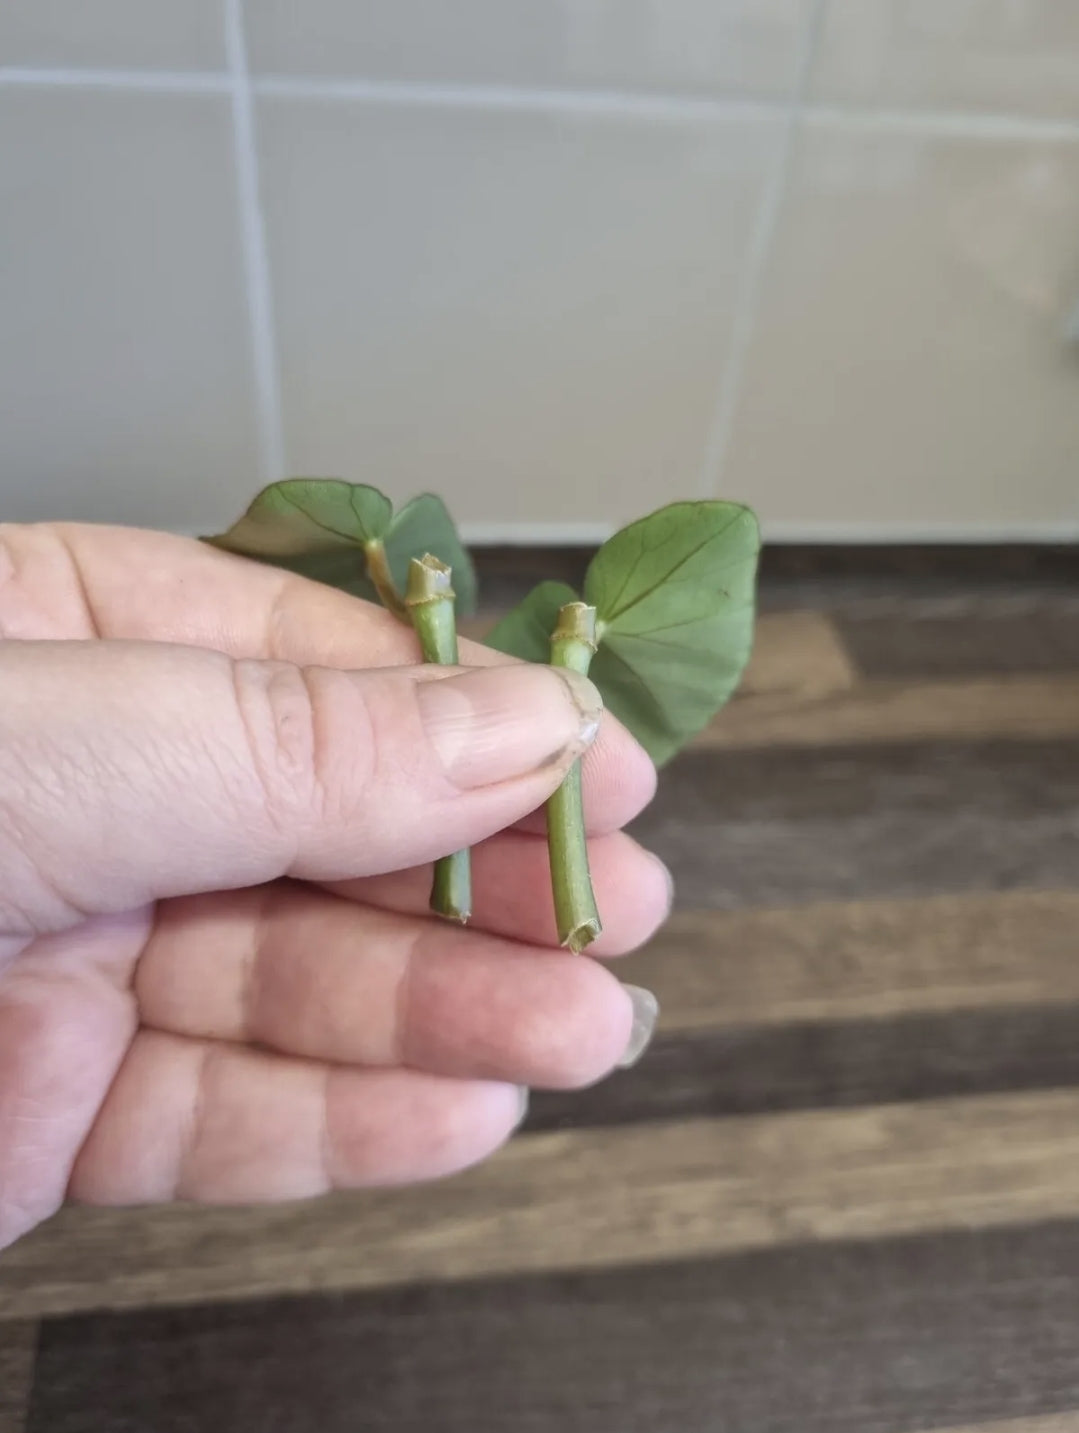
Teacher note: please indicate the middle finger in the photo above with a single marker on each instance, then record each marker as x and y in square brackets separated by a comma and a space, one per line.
[306, 973]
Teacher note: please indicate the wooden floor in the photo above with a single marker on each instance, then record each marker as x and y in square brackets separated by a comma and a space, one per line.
[840, 1194]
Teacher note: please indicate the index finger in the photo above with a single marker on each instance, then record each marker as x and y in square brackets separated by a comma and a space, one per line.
[70, 580]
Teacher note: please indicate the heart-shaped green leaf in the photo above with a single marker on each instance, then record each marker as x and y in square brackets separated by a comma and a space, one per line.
[675, 601]
[526, 631]
[674, 598]
[320, 528]
[424, 526]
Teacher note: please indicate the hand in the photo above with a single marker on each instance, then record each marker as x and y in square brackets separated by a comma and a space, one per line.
[219, 785]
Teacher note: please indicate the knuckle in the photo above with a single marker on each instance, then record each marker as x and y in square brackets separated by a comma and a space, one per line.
[304, 730]
[42, 591]
[279, 723]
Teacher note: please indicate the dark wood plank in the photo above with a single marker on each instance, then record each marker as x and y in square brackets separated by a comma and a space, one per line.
[962, 646]
[18, 1346]
[789, 825]
[882, 1337]
[902, 567]
[585, 1199]
[827, 1064]
[1047, 1423]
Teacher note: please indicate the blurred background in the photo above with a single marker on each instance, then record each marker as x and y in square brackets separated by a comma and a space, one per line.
[560, 261]
[552, 258]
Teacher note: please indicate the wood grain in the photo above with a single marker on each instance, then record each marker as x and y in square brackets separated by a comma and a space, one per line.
[965, 644]
[882, 1337]
[849, 960]
[18, 1343]
[1051, 1423]
[892, 711]
[791, 825]
[828, 1064]
[797, 652]
[592, 1199]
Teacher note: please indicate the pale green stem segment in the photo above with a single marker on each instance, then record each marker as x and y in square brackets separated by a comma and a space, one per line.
[573, 644]
[378, 570]
[429, 601]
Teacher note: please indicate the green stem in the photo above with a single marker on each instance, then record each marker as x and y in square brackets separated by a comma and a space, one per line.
[429, 603]
[573, 644]
[378, 570]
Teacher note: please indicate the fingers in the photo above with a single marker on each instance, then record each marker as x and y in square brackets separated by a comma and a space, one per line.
[132, 771]
[73, 581]
[190, 1119]
[66, 1018]
[311, 975]
[512, 891]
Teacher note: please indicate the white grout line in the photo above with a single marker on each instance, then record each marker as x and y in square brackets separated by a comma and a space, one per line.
[964, 124]
[960, 124]
[617, 103]
[267, 373]
[194, 82]
[762, 242]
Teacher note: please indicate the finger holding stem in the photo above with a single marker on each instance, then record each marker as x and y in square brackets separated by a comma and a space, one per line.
[573, 644]
[429, 601]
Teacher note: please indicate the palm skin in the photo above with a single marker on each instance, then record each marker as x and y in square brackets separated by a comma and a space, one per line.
[218, 977]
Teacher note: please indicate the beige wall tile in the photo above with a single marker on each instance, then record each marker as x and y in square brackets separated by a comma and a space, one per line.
[1018, 56]
[125, 392]
[701, 46]
[527, 311]
[908, 367]
[155, 34]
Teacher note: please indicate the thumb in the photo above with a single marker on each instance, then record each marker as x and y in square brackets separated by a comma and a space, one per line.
[131, 771]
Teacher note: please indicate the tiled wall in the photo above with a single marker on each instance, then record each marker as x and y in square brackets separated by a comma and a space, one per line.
[549, 257]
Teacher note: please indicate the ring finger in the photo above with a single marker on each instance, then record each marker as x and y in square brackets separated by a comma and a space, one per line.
[308, 974]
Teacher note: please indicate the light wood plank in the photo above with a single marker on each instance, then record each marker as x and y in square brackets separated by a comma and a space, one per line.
[793, 652]
[848, 960]
[1002, 708]
[587, 1200]
[18, 1343]
[797, 652]
[1050, 1423]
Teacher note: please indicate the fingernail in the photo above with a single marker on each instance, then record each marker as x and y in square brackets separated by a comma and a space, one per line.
[494, 723]
[645, 1014]
[524, 1095]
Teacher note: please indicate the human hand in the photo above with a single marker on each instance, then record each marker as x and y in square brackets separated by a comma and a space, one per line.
[219, 785]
